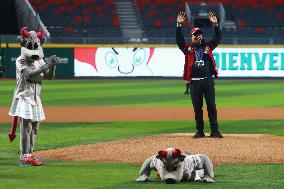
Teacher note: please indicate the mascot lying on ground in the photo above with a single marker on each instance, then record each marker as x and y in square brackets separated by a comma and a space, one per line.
[174, 166]
[31, 69]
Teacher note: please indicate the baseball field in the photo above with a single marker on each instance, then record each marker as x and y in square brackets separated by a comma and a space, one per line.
[98, 132]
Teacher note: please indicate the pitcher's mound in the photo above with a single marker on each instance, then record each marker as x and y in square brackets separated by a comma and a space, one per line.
[233, 148]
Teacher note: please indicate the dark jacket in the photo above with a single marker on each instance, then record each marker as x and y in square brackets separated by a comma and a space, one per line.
[189, 51]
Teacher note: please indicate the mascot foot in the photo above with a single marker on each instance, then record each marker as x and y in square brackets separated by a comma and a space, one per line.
[143, 178]
[30, 160]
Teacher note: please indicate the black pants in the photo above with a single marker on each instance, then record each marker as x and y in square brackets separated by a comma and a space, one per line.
[198, 89]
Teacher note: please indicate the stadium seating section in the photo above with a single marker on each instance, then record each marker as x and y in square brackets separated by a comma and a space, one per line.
[256, 20]
[74, 18]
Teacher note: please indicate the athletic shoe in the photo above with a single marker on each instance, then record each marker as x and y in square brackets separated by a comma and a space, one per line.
[31, 161]
[199, 134]
[216, 134]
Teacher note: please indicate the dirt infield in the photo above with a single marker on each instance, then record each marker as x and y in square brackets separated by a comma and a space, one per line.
[91, 114]
[231, 149]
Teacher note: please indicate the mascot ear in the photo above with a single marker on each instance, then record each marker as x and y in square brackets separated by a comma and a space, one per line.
[176, 153]
[162, 154]
[42, 40]
[21, 40]
[25, 32]
[40, 34]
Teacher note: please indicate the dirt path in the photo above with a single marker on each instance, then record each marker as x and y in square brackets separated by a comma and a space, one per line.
[91, 114]
[231, 149]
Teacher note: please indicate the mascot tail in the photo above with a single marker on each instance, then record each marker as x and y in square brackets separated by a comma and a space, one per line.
[12, 133]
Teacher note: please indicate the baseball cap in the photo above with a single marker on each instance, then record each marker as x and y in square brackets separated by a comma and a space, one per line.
[194, 30]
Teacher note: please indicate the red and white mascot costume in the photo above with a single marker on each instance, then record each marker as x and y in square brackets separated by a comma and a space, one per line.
[174, 166]
[31, 69]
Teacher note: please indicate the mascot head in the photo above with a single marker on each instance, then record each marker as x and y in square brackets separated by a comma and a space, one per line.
[171, 170]
[31, 44]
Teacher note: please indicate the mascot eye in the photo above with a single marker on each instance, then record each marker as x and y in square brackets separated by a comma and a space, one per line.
[111, 60]
[29, 45]
[139, 57]
[36, 46]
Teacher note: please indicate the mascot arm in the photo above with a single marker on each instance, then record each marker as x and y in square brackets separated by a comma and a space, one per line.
[51, 62]
[33, 72]
[145, 170]
[50, 73]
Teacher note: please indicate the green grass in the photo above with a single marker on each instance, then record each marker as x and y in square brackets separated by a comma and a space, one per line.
[162, 93]
[68, 174]
[157, 93]
[73, 175]
[53, 135]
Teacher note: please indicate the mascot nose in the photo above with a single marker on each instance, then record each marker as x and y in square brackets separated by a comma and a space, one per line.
[170, 181]
[35, 57]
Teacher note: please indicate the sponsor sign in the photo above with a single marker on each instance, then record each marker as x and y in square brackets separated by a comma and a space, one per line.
[169, 62]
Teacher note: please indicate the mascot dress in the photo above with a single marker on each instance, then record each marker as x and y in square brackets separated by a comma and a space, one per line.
[31, 69]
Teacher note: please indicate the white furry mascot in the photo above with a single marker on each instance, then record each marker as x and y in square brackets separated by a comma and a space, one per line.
[31, 69]
[174, 166]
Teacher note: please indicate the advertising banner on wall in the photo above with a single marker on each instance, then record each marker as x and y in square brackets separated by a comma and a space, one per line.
[169, 62]
[113, 62]
[250, 62]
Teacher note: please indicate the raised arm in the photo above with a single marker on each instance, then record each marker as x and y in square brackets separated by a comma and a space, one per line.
[179, 35]
[217, 33]
[28, 72]
[47, 69]
[51, 62]
[50, 74]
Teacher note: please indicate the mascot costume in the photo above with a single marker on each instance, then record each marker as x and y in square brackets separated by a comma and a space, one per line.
[31, 69]
[174, 166]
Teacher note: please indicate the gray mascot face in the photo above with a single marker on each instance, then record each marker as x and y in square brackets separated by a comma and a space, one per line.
[172, 170]
[31, 44]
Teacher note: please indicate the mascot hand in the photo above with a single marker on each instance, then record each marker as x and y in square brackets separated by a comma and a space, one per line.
[208, 179]
[143, 178]
[52, 61]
